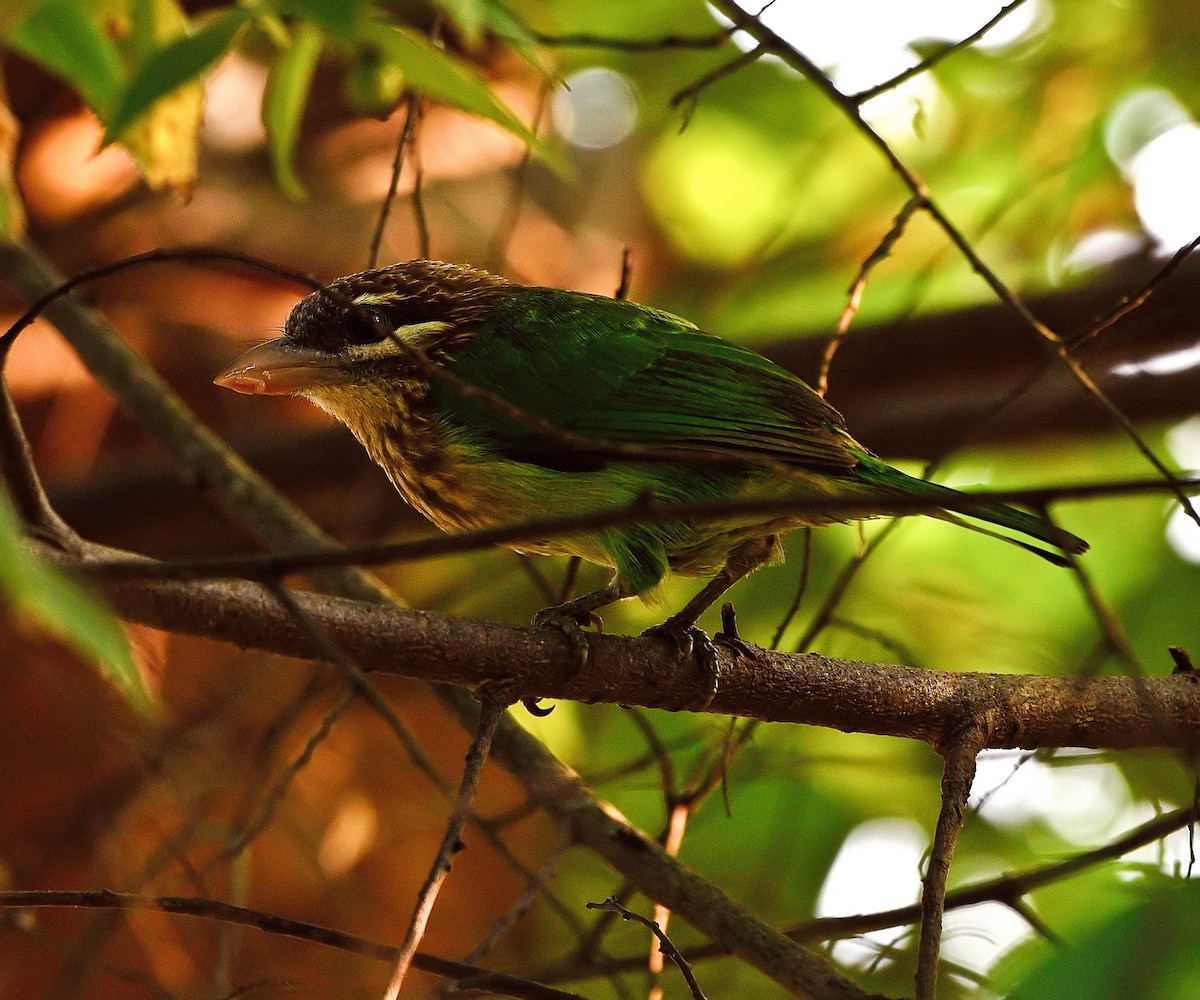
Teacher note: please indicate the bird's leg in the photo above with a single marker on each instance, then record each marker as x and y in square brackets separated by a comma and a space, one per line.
[569, 618]
[681, 628]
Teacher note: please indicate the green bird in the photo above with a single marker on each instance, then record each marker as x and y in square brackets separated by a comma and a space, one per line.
[616, 401]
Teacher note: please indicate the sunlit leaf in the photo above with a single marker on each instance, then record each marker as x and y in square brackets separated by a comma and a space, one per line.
[48, 601]
[283, 104]
[173, 66]
[440, 75]
[63, 39]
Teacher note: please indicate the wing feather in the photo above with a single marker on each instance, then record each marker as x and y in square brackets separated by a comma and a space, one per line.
[619, 372]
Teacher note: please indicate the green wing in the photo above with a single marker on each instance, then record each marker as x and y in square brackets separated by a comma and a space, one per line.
[615, 371]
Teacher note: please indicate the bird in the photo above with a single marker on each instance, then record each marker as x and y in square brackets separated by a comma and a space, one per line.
[488, 402]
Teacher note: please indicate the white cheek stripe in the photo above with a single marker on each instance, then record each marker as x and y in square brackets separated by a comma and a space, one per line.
[412, 334]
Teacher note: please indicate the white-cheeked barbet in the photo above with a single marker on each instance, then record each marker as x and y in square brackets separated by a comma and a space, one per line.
[604, 370]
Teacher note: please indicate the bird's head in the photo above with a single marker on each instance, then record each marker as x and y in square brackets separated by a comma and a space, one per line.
[350, 345]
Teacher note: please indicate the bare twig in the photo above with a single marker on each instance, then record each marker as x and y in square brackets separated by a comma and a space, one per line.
[269, 923]
[626, 273]
[589, 41]
[958, 772]
[932, 60]
[522, 903]
[664, 942]
[898, 649]
[691, 93]
[357, 679]
[411, 116]
[879, 254]
[1130, 303]
[541, 584]
[274, 796]
[677, 822]
[801, 589]
[641, 511]
[498, 246]
[492, 706]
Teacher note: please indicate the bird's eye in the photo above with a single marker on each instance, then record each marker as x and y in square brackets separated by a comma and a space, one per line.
[373, 324]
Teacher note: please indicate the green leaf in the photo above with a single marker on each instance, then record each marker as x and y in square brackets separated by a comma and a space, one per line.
[1146, 950]
[174, 65]
[283, 104]
[434, 72]
[343, 19]
[12, 13]
[55, 604]
[476, 19]
[62, 38]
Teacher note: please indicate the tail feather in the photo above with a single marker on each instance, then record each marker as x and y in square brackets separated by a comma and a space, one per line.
[873, 472]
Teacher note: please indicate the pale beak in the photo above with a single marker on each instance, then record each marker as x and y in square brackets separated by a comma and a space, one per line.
[280, 368]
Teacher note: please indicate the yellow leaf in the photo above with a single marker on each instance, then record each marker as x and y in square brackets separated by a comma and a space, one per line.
[165, 140]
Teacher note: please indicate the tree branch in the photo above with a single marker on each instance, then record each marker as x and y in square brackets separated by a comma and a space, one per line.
[883, 699]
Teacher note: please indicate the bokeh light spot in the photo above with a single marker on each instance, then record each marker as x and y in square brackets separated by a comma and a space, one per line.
[595, 109]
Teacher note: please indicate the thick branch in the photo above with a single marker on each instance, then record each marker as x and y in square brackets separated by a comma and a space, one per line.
[887, 700]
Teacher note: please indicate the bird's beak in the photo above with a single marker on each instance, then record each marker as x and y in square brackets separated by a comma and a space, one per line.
[280, 368]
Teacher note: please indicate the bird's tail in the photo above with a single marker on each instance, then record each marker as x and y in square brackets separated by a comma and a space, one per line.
[873, 472]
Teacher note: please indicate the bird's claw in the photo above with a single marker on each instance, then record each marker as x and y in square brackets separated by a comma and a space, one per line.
[729, 636]
[691, 641]
[571, 624]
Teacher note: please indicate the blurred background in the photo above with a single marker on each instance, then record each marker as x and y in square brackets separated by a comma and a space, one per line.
[1063, 145]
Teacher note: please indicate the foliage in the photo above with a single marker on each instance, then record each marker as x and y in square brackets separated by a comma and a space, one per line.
[43, 600]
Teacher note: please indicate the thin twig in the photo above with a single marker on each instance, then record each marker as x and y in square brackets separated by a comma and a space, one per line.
[660, 753]
[20, 474]
[274, 796]
[932, 60]
[541, 584]
[643, 512]
[406, 133]
[492, 706]
[879, 254]
[626, 273]
[894, 646]
[570, 578]
[677, 823]
[497, 250]
[801, 589]
[585, 40]
[1114, 635]
[354, 675]
[1130, 303]
[522, 903]
[691, 93]
[957, 775]
[269, 923]
[189, 255]
[664, 943]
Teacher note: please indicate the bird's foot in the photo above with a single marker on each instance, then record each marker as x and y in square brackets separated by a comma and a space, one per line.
[571, 624]
[692, 641]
